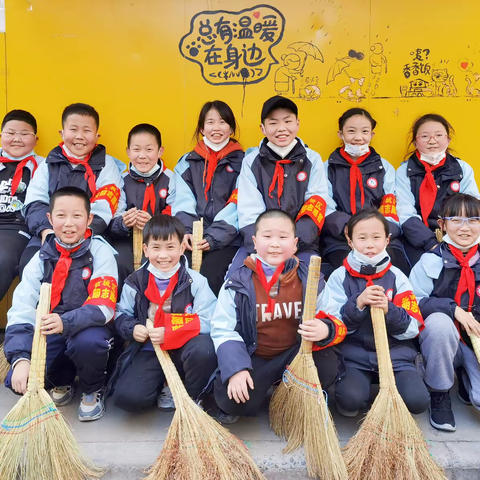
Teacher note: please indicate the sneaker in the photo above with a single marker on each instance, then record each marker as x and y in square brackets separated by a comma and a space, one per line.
[92, 406]
[441, 415]
[165, 401]
[462, 393]
[62, 395]
[225, 418]
[346, 413]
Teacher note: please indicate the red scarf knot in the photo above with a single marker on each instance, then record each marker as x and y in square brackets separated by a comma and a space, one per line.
[268, 285]
[428, 188]
[153, 295]
[368, 278]
[467, 276]
[89, 175]
[278, 177]
[355, 178]
[17, 176]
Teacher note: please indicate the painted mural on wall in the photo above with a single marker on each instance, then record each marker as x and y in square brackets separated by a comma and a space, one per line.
[247, 47]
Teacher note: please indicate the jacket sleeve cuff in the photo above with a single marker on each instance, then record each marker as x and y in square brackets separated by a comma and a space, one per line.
[232, 358]
[352, 315]
[19, 357]
[336, 331]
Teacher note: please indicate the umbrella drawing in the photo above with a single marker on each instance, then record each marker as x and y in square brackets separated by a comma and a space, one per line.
[309, 48]
[338, 67]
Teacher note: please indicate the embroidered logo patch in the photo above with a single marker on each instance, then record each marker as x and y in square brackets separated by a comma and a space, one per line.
[189, 309]
[389, 294]
[229, 169]
[163, 192]
[455, 186]
[86, 273]
[478, 291]
[301, 176]
[372, 182]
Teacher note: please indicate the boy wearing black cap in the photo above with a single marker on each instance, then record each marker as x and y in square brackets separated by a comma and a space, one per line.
[283, 173]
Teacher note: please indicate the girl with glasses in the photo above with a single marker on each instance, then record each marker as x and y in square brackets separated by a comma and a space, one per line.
[425, 180]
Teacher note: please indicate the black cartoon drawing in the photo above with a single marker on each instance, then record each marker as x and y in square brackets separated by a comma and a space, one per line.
[472, 78]
[353, 90]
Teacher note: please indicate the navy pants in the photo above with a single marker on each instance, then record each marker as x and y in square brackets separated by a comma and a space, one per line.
[143, 379]
[84, 354]
[266, 372]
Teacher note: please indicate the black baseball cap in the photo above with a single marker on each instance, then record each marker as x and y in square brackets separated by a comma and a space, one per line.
[278, 102]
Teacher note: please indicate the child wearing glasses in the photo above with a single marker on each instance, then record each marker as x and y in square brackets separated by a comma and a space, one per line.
[424, 181]
[18, 162]
[446, 282]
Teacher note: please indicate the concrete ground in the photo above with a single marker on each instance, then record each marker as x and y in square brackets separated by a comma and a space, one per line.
[128, 443]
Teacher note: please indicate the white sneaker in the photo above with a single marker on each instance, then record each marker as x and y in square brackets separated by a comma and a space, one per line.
[92, 406]
[165, 401]
[346, 413]
[62, 395]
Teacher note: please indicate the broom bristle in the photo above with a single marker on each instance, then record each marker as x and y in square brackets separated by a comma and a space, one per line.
[376, 453]
[4, 365]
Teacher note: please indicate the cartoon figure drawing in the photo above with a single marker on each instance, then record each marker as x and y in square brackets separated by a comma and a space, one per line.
[353, 90]
[442, 83]
[416, 88]
[287, 76]
[378, 61]
[471, 78]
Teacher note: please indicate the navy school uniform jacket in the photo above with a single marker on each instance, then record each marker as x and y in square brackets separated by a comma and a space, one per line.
[435, 280]
[135, 186]
[192, 295]
[11, 203]
[378, 179]
[403, 319]
[304, 185]
[219, 213]
[234, 324]
[87, 300]
[453, 177]
[57, 172]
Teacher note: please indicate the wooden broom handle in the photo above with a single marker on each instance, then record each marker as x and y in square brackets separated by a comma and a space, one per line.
[385, 368]
[311, 294]
[475, 343]
[36, 379]
[196, 252]
[137, 247]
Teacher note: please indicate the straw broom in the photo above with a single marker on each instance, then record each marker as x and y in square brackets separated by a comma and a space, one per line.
[298, 410]
[137, 247]
[197, 237]
[4, 365]
[35, 441]
[475, 343]
[389, 445]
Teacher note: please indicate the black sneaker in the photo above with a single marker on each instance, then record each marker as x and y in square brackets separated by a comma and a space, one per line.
[441, 415]
[462, 393]
[225, 418]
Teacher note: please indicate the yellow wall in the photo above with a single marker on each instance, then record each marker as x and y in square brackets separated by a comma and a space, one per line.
[123, 57]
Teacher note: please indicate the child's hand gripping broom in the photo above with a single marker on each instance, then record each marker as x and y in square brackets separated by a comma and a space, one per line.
[197, 237]
[35, 441]
[197, 447]
[389, 445]
[298, 410]
[137, 247]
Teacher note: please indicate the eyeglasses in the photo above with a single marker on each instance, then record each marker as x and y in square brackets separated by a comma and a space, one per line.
[23, 134]
[460, 221]
[438, 137]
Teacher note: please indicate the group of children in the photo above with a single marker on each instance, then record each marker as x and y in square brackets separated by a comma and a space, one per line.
[233, 328]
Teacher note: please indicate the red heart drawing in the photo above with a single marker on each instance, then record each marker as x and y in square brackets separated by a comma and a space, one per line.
[256, 14]
[464, 65]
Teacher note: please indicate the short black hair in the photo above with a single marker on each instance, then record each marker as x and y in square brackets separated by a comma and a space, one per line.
[355, 111]
[225, 112]
[70, 192]
[275, 213]
[145, 128]
[461, 203]
[365, 214]
[80, 109]
[162, 227]
[22, 116]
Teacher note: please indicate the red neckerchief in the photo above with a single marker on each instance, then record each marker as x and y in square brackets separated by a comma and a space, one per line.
[355, 177]
[428, 188]
[368, 278]
[149, 197]
[17, 176]
[268, 285]
[467, 277]
[278, 176]
[153, 295]
[211, 160]
[60, 273]
[89, 175]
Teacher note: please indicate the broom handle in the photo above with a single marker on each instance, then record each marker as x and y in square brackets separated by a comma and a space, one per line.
[311, 294]
[36, 379]
[137, 247]
[197, 237]
[475, 343]
[385, 368]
